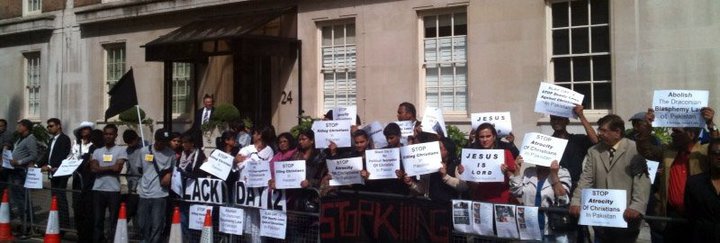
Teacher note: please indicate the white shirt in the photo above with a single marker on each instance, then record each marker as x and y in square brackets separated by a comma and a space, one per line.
[206, 115]
[52, 145]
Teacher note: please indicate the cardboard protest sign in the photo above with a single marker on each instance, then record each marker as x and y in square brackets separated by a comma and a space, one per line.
[679, 108]
[273, 223]
[505, 221]
[375, 133]
[257, 173]
[382, 163]
[331, 131]
[601, 207]
[197, 213]
[67, 167]
[289, 174]
[231, 220]
[33, 180]
[421, 159]
[345, 171]
[434, 122]
[541, 149]
[528, 225]
[483, 165]
[219, 164]
[345, 113]
[500, 120]
[557, 100]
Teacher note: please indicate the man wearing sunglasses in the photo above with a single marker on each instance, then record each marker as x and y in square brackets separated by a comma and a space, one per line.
[58, 150]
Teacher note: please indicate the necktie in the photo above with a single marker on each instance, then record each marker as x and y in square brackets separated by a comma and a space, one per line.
[206, 116]
[612, 154]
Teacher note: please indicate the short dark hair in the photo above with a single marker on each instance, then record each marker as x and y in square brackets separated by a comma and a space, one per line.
[110, 126]
[426, 137]
[3, 121]
[613, 121]
[392, 129]
[228, 135]
[266, 133]
[208, 96]
[307, 133]
[292, 144]
[130, 135]
[409, 108]
[54, 120]
[188, 137]
[26, 123]
[486, 126]
[359, 133]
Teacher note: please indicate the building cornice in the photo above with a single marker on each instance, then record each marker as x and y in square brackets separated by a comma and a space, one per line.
[127, 9]
[26, 24]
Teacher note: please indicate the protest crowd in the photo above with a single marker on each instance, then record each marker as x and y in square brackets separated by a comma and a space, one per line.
[555, 187]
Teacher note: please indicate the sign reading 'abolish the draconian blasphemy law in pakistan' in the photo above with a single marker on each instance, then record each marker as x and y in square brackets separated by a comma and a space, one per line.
[679, 108]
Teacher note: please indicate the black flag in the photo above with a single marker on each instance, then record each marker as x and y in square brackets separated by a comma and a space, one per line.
[122, 95]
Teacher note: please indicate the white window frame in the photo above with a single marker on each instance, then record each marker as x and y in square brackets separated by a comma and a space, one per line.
[551, 56]
[348, 68]
[182, 86]
[453, 63]
[31, 7]
[32, 64]
[108, 50]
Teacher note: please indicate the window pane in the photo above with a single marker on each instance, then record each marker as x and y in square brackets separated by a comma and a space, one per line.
[350, 31]
[429, 23]
[601, 67]
[326, 36]
[444, 25]
[578, 12]
[338, 35]
[459, 48]
[603, 96]
[560, 42]
[445, 49]
[599, 11]
[460, 24]
[447, 99]
[580, 40]
[585, 90]
[446, 77]
[432, 97]
[581, 69]
[431, 77]
[600, 39]
[562, 69]
[430, 50]
[461, 76]
[560, 14]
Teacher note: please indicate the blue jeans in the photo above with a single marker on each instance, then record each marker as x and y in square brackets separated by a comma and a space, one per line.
[151, 216]
[102, 201]
[17, 194]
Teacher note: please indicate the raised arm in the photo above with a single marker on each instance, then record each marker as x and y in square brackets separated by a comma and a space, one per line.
[586, 124]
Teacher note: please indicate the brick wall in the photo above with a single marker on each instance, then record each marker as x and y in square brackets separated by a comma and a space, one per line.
[80, 3]
[10, 9]
[52, 5]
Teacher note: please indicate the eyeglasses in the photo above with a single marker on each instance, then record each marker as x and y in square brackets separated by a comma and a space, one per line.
[50, 126]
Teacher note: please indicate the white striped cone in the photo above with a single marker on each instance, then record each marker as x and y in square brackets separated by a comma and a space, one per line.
[5, 231]
[52, 232]
[175, 232]
[207, 231]
[121, 234]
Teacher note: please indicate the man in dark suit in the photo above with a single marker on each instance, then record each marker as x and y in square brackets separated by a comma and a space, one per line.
[204, 114]
[58, 150]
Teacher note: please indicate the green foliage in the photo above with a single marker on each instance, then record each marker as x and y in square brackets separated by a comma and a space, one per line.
[457, 136]
[129, 118]
[663, 134]
[40, 133]
[305, 124]
[222, 116]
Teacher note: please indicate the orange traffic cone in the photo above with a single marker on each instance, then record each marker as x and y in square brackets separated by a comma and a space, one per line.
[52, 233]
[175, 232]
[207, 231]
[121, 234]
[5, 230]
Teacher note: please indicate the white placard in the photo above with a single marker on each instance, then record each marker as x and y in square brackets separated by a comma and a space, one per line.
[482, 214]
[176, 181]
[7, 157]
[483, 165]
[652, 170]
[527, 222]
[197, 212]
[603, 208]
[375, 132]
[273, 223]
[259, 197]
[434, 122]
[33, 180]
[382, 163]
[407, 128]
[257, 173]
[335, 131]
[219, 164]
[205, 190]
[679, 108]
[345, 171]
[231, 220]
[541, 149]
[461, 216]
[421, 159]
[345, 113]
[67, 167]
[505, 221]
[557, 100]
[289, 174]
[501, 121]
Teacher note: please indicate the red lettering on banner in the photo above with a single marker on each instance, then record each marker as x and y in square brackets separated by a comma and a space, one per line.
[381, 220]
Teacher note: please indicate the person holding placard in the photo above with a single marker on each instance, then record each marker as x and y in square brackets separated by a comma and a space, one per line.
[615, 164]
[438, 188]
[361, 142]
[259, 150]
[578, 144]
[542, 186]
[287, 147]
[685, 157]
[58, 150]
[106, 163]
[5, 144]
[24, 155]
[392, 136]
[495, 192]
[406, 112]
[702, 202]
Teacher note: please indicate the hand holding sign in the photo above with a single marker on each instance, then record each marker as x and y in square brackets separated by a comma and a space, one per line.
[219, 164]
[679, 108]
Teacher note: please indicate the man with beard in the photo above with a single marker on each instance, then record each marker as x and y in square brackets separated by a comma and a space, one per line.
[702, 201]
[685, 157]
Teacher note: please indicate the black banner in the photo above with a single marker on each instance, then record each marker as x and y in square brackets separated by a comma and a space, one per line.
[367, 218]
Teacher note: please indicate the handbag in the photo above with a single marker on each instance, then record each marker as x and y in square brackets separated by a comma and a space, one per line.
[559, 220]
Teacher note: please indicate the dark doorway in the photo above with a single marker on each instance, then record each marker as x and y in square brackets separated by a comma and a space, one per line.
[252, 88]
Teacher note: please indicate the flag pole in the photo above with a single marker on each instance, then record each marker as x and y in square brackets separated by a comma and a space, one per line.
[142, 136]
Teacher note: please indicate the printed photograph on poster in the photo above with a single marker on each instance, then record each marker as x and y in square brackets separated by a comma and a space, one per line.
[527, 221]
[461, 212]
[483, 218]
[505, 221]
